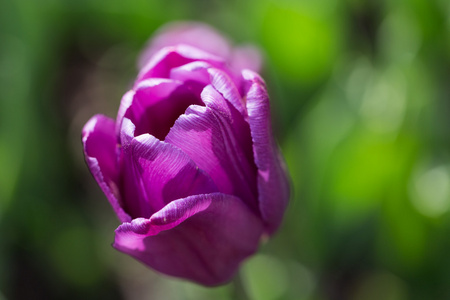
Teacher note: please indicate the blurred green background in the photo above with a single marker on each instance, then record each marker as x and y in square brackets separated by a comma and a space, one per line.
[360, 93]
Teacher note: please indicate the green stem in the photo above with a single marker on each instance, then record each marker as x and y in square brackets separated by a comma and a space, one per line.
[238, 288]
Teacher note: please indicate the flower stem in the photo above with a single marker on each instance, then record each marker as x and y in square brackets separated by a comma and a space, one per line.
[238, 288]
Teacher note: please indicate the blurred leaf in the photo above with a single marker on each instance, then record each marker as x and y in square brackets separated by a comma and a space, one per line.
[429, 190]
[73, 255]
[265, 278]
[14, 109]
[399, 37]
[195, 292]
[381, 285]
[404, 236]
[302, 44]
[363, 167]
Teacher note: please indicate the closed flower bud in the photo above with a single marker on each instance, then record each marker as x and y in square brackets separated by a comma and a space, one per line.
[190, 165]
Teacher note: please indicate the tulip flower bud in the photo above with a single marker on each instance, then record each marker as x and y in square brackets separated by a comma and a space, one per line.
[190, 165]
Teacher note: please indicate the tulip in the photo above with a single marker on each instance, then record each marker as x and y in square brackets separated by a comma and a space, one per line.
[190, 165]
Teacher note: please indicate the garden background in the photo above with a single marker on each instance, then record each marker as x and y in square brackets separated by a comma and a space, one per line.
[360, 94]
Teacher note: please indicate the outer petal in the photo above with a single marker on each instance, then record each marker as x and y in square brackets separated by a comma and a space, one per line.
[99, 142]
[189, 33]
[217, 139]
[155, 173]
[273, 185]
[125, 103]
[202, 238]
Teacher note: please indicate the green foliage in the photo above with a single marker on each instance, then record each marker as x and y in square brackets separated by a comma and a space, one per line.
[360, 97]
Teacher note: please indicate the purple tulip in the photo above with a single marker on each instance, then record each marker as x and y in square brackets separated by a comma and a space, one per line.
[190, 165]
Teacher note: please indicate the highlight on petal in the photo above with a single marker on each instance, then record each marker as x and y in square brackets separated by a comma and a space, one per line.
[154, 173]
[125, 103]
[194, 34]
[226, 87]
[198, 74]
[194, 71]
[100, 149]
[164, 60]
[273, 184]
[217, 139]
[194, 75]
[202, 238]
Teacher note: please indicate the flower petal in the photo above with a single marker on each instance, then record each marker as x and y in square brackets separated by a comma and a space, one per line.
[217, 139]
[273, 184]
[194, 74]
[226, 87]
[202, 238]
[198, 74]
[125, 103]
[189, 33]
[192, 71]
[100, 146]
[246, 57]
[164, 60]
[155, 173]
[155, 105]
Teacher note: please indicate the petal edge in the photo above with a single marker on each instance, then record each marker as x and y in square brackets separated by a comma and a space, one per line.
[206, 244]
[273, 183]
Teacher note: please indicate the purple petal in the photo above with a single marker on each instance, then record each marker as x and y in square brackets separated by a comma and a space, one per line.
[199, 74]
[163, 61]
[246, 57]
[194, 75]
[202, 238]
[100, 146]
[156, 173]
[217, 139]
[155, 105]
[226, 87]
[189, 33]
[194, 71]
[273, 185]
[125, 103]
